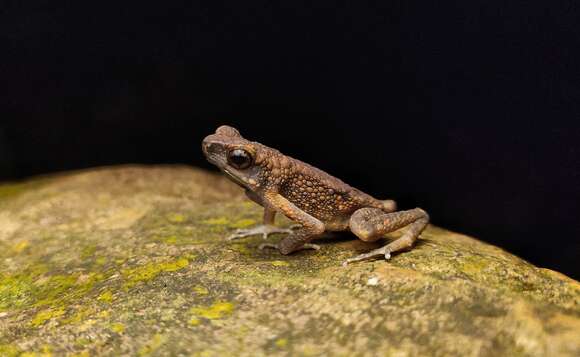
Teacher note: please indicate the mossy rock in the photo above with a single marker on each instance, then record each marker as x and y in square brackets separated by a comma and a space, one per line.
[133, 261]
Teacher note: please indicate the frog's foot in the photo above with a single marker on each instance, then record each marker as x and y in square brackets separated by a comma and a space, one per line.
[384, 251]
[263, 229]
[277, 246]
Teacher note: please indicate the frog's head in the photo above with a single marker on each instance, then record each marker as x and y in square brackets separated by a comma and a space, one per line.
[242, 160]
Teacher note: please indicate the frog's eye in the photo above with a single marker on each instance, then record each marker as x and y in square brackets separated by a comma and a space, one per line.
[240, 159]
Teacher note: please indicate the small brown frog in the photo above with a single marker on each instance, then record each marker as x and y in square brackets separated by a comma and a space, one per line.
[317, 201]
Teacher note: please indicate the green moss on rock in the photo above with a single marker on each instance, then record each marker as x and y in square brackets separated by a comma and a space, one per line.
[44, 315]
[149, 271]
[217, 310]
[133, 261]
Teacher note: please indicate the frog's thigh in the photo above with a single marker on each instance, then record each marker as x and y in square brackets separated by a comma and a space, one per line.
[370, 224]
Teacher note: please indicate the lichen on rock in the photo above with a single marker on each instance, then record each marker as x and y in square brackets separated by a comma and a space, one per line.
[133, 261]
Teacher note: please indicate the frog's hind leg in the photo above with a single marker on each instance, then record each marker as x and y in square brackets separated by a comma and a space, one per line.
[370, 224]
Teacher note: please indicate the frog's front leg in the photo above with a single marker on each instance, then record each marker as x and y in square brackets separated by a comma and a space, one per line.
[298, 239]
[370, 224]
[266, 228]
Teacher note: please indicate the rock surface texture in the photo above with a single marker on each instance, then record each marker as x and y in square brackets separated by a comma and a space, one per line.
[133, 261]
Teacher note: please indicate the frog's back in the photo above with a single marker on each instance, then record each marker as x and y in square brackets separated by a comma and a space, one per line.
[321, 194]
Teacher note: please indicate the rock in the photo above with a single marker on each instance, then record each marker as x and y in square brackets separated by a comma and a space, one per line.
[133, 261]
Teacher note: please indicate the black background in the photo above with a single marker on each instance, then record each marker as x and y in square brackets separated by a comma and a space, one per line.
[468, 109]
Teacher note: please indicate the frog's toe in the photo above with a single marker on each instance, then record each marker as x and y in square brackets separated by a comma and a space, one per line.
[233, 236]
[239, 233]
[277, 246]
[275, 230]
[380, 252]
[268, 245]
[311, 246]
[264, 230]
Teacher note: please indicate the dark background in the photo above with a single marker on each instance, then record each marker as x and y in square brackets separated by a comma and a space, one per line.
[467, 109]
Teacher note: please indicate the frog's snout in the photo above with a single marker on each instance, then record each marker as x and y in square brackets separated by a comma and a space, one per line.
[214, 151]
[205, 146]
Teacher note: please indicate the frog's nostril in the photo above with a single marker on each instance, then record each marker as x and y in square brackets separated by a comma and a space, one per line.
[208, 147]
[205, 146]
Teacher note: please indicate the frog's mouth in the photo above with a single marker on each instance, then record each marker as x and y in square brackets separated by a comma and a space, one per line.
[234, 178]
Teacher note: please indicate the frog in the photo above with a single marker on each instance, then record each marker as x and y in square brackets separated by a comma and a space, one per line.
[314, 200]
